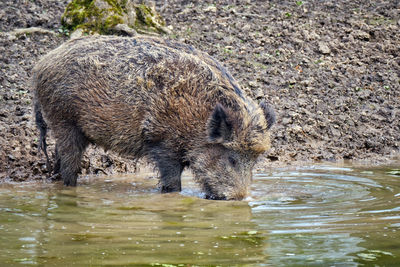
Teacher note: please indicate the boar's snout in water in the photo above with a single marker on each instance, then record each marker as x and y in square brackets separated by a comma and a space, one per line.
[154, 98]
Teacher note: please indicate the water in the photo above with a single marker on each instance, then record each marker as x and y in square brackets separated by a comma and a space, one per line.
[310, 216]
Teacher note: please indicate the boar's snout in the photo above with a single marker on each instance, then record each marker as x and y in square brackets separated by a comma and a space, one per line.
[214, 197]
[238, 196]
[226, 192]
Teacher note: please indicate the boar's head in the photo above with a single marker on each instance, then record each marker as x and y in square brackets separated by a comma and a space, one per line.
[223, 163]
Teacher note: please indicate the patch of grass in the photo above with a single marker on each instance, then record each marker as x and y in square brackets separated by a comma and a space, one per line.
[299, 3]
[258, 65]
[318, 61]
[22, 92]
[228, 7]
[64, 31]
[228, 50]
[380, 21]
[188, 31]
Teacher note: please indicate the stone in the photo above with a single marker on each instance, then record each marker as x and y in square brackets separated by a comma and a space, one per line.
[323, 48]
[361, 35]
[112, 17]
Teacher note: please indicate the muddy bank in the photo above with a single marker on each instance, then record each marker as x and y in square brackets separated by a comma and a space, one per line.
[331, 70]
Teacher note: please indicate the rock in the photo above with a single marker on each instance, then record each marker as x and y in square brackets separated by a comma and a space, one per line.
[323, 48]
[123, 29]
[11, 157]
[246, 27]
[259, 93]
[335, 132]
[112, 17]
[77, 33]
[31, 30]
[296, 129]
[148, 20]
[361, 35]
[286, 121]
[310, 35]
[211, 8]
[253, 84]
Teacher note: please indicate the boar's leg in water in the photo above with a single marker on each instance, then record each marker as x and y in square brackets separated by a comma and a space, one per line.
[70, 143]
[170, 169]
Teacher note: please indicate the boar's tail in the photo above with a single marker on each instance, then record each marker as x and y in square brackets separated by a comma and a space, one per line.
[42, 126]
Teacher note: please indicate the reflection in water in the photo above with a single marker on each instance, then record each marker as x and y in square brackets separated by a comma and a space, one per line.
[110, 223]
[317, 215]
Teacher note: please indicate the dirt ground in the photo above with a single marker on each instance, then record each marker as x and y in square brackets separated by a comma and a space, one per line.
[331, 69]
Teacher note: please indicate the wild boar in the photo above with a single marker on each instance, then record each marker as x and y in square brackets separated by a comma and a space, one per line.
[153, 98]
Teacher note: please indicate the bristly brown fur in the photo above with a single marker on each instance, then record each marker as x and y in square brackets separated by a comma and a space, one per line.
[145, 96]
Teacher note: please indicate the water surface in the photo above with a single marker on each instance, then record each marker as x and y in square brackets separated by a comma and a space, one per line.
[316, 216]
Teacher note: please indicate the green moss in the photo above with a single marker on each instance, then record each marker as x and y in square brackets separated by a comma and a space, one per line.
[116, 6]
[81, 14]
[101, 16]
[148, 19]
[76, 12]
[110, 22]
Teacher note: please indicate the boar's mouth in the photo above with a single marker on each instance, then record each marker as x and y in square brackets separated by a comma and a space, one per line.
[213, 194]
[214, 197]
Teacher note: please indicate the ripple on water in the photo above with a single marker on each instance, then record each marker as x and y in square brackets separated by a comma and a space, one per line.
[321, 199]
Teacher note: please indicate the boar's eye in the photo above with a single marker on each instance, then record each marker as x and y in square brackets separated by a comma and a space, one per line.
[232, 161]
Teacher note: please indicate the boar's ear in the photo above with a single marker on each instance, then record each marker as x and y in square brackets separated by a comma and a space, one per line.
[219, 127]
[269, 113]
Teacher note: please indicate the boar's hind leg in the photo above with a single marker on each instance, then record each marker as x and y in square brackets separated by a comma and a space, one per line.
[57, 164]
[170, 170]
[71, 143]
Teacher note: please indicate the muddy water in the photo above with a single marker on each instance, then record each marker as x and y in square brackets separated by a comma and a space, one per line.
[319, 215]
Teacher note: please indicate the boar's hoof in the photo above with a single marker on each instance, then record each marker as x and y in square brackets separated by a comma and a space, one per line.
[170, 189]
[56, 177]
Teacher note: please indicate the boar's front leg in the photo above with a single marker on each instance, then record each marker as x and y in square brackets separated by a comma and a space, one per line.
[170, 168]
[170, 172]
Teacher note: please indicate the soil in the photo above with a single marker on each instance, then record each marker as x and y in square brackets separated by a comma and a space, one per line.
[331, 69]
